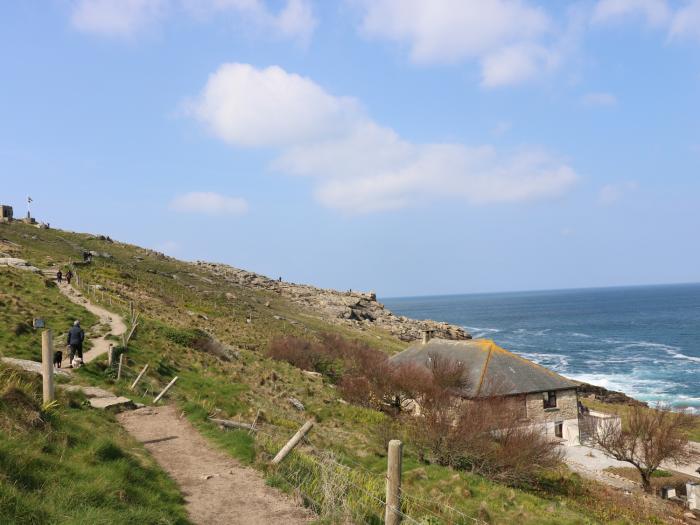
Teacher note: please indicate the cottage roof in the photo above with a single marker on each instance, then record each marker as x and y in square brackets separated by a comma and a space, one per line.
[489, 369]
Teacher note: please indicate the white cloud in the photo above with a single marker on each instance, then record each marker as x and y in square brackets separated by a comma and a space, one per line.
[655, 12]
[295, 19]
[598, 99]
[246, 106]
[506, 37]
[681, 22]
[356, 164]
[516, 64]
[209, 203]
[686, 21]
[612, 193]
[124, 18]
[120, 18]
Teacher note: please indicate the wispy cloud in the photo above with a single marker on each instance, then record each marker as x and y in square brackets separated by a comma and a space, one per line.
[686, 21]
[612, 193]
[116, 18]
[654, 12]
[358, 165]
[599, 99]
[680, 20]
[126, 18]
[209, 203]
[513, 41]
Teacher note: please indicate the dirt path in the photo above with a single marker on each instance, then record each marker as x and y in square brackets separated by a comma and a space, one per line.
[217, 489]
[100, 345]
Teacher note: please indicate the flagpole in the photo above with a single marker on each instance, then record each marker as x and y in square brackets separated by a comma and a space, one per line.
[29, 211]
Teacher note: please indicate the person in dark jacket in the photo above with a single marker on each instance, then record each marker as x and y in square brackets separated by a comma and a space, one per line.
[59, 276]
[75, 339]
[69, 276]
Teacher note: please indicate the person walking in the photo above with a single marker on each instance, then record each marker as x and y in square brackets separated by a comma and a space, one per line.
[69, 276]
[75, 339]
[59, 276]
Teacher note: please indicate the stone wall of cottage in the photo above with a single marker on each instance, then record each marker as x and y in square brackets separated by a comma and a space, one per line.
[566, 407]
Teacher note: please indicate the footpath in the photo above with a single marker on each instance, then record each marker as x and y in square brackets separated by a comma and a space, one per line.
[217, 489]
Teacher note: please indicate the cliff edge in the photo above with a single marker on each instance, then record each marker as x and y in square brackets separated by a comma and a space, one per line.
[349, 308]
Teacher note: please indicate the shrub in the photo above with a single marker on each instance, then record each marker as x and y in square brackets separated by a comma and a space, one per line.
[22, 328]
[486, 437]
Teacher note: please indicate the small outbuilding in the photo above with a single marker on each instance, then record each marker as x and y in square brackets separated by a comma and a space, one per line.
[5, 213]
[543, 397]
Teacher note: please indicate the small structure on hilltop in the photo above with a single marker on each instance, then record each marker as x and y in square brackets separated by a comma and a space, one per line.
[5, 213]
[542, 397]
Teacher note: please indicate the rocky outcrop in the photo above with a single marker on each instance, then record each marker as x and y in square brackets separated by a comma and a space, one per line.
[607, 396]
[20, 264]
[350, 308]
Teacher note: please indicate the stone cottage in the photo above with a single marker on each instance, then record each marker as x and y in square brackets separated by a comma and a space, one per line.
[543, 397]
[5, 213]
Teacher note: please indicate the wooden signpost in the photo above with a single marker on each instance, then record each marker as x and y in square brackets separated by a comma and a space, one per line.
[47, 365]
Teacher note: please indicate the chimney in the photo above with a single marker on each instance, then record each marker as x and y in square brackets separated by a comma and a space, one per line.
[427, 335]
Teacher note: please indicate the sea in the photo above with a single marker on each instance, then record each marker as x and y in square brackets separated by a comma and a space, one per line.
[643, 340]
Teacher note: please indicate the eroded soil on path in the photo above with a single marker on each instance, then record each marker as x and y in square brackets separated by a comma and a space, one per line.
[217, 489]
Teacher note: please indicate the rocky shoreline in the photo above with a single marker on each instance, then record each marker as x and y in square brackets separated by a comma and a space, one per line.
[352, 308]
[612, 397]
[361, 309]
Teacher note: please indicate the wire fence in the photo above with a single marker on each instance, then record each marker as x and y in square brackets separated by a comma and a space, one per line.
[333, 490]
[341, 493]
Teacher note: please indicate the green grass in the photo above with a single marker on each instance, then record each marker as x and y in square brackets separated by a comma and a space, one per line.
[179, 300]
[25, 296]
[69, 464]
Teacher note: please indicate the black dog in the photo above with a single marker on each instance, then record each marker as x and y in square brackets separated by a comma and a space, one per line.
[57, 358]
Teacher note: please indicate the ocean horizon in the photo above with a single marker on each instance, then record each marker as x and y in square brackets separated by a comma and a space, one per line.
[640, 340]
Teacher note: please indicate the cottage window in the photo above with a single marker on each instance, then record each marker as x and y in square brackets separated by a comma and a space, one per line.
[550, 399]
[559, 429]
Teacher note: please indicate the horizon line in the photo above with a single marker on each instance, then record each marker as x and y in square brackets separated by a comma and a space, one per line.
[541, 290]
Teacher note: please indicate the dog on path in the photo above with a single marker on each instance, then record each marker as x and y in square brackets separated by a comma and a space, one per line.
[57, 358]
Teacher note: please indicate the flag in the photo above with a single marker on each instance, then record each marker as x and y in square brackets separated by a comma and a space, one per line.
[29, 199]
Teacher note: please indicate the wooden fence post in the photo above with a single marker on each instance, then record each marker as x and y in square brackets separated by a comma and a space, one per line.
[138, 378]
[121, 362]
[393, 514]
[110, 356]
[47, 365]
[293, 442]
[165, 390]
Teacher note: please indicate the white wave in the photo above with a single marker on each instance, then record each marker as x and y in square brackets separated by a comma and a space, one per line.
[670, 350]
[678, 355]
[579, 334]
[651, 390]
[533, 333]
[556, 362]
[478, 333]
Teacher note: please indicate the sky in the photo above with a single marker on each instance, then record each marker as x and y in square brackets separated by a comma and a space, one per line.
[400, 146]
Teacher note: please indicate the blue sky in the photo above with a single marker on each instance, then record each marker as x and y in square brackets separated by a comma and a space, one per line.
[403, 146]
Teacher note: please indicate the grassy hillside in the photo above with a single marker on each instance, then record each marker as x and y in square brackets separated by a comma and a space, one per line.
[195, 325]
[68, 464]
[25, 296]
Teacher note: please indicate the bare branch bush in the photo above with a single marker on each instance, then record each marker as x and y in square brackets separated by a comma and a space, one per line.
[431, 401]
[649, 438]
